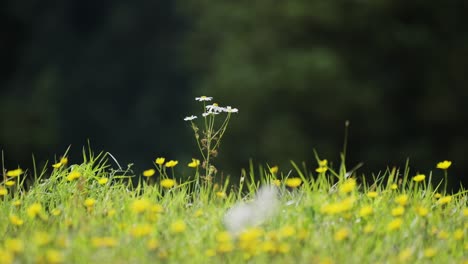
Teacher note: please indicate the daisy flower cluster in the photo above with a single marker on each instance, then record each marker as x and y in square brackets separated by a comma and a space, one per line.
[212, 109]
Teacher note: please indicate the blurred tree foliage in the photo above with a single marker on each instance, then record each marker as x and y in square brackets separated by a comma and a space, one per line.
[102, 71]
[123, 74]
[298, 69]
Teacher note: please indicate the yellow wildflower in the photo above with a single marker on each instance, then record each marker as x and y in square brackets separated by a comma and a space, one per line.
[168, 183]
[395, 224]
[422, 211]
[10, 183]
[348, 186]
[293, 182]
[430, 252]
[14, 173]
[140, 205]
[323, 163]
[15, 220]
[394, 186]
[368, 229]
[3, 191]
[149, 173]
[398, 211]
[225, 247]
[171, 163]
[34, 210]
[73, 175]
[445, 200]
[14, 245]
[341, 234]
[321, 169]
[41, 238]
[419, 178]
[89, 202]
[64, 160]
[458, 234]
[223, 237]
[160, 161]
[437, 195]
[157, 208]
[284, 248]
[372, 194]
[103, 180]
[17, 202]
[141, 230]
[54, 256]
[57, 165]
[178, 226]
[404, 255]
[443, 165]
[366, 211]
[195, 163]
[6, 257]
[274, 170]
[268, 246]
[221, 194]
[152, 244]
[103, 242]
[287, 231]
[401, 199]
[56, 212]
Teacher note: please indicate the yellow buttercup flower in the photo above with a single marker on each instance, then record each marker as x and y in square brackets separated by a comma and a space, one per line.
[372, 194]
[9, 183]
[419, 178]
[168, 183]
[160, 160]
[89, 202]
[141, 205]
[321, 169]
[443, 165]
[3, 191]
[103, 181]
[445, 200]
[171, 163]
[195, 163]
[293, 182]
[149, 173]
[34, 210]
[395, 224]
[348, 186]
[14, 173]
[73, 175]
[323, 163]
[274, 170]
[57, 165]
[178, 226]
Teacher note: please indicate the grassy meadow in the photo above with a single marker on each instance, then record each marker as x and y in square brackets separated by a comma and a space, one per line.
[90, 212]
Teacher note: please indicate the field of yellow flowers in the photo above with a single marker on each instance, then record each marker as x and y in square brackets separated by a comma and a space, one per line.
[88, 212]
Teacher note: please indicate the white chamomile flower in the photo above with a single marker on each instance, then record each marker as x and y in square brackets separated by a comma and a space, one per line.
[190, 118]
[229, 109]
[203, 98]
[214, 108]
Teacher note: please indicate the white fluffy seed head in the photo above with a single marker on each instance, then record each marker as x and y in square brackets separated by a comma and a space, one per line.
[244, 215]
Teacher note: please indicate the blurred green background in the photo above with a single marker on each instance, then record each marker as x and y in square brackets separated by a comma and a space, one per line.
[124, 74]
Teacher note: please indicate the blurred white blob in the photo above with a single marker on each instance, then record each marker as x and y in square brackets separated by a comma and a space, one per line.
[244, 215]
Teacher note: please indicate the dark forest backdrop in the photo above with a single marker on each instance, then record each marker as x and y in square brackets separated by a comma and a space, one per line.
[124, 74]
